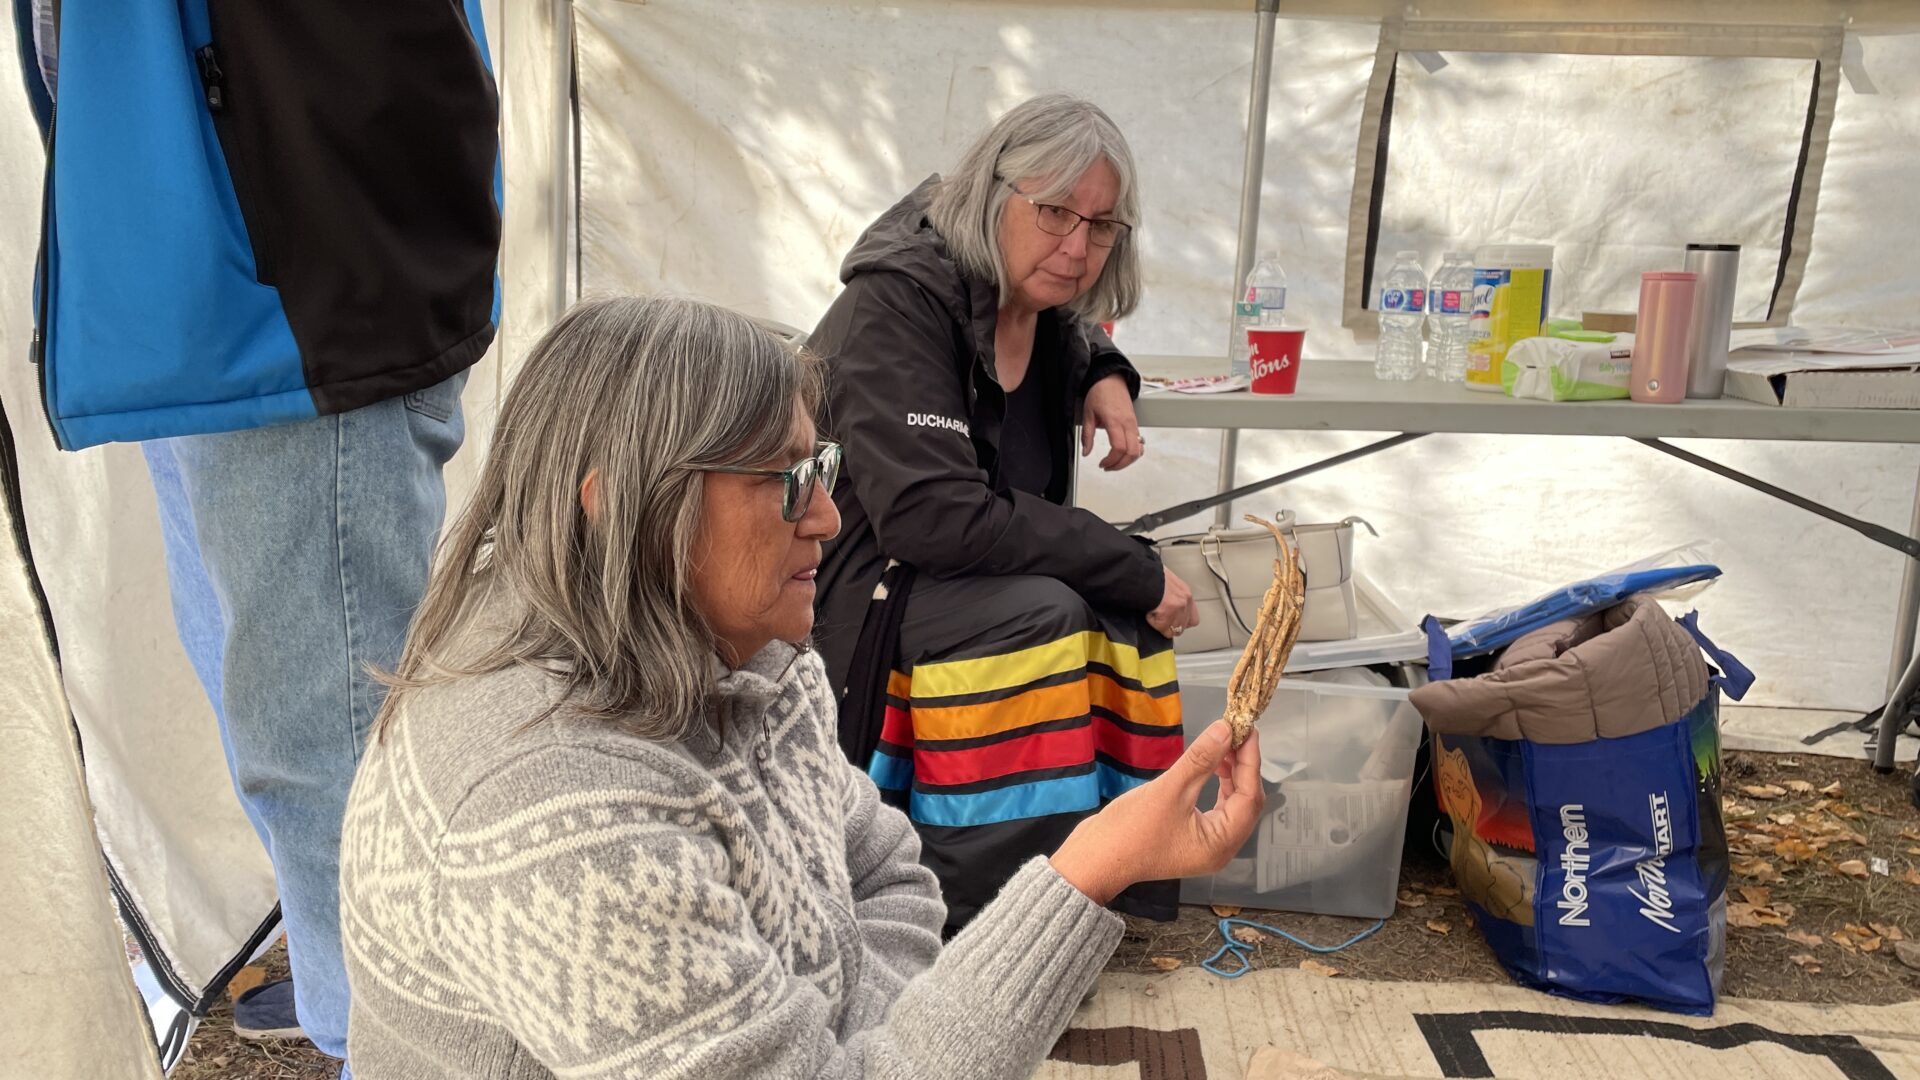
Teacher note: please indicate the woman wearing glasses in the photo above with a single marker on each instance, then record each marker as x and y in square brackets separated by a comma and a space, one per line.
[1003, 657]
[603, 828]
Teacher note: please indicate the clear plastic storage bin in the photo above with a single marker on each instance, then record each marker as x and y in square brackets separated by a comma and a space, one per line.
[1337, 763]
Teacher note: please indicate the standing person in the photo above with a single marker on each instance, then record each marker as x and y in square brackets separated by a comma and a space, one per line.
[269, 250]
[1004, 658]
[604, 829]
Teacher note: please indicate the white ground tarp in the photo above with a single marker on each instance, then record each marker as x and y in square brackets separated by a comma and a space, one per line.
[733, 152]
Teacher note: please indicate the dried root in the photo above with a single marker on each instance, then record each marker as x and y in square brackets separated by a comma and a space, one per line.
[1278, 627]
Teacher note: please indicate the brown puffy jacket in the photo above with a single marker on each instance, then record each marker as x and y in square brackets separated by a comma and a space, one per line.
[1613, 673]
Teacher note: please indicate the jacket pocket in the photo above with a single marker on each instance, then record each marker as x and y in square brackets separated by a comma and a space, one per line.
[240, 166]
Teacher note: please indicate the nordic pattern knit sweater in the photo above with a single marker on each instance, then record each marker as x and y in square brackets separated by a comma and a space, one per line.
[567, 899]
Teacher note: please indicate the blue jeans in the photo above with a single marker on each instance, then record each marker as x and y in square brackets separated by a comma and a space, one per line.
[296, 556]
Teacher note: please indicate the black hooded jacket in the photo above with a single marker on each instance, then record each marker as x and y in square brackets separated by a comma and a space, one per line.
[912, 395]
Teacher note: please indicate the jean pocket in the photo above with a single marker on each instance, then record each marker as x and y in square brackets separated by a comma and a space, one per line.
[435, 402]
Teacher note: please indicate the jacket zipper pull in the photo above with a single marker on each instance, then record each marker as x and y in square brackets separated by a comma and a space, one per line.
[212, 78]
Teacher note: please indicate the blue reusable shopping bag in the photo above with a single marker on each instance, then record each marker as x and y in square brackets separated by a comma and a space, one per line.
[1598, 870]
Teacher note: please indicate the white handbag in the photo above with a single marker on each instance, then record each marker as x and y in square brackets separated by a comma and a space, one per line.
[1229, 571]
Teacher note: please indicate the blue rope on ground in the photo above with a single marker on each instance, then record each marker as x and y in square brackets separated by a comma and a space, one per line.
[1244, 952]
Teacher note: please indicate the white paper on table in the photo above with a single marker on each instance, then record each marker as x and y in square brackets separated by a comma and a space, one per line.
[1202, 384]
[1788, 363]
[1857, 341]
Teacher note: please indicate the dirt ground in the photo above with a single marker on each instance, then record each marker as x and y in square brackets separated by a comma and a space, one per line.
[1797, 847]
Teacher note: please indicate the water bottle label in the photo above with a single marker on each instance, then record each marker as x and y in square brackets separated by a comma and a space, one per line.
[1246, 309]
[1449, 302]
[1273, 298]
[1403, 300]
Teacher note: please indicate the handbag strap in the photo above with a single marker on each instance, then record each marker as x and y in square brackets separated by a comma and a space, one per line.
[1210, 558]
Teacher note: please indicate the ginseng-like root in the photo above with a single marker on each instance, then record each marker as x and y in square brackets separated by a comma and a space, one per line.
[1278, 627]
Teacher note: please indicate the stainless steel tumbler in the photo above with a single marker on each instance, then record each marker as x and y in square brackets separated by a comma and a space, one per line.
[1716, 266]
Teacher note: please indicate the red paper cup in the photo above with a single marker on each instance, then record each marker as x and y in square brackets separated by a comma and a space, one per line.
[1276, 359]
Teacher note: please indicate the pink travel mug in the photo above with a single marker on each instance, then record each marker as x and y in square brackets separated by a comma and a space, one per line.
[1660, 338]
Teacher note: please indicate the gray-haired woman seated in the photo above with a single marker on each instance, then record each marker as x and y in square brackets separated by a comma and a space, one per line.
[604, 829]
[1004, 656]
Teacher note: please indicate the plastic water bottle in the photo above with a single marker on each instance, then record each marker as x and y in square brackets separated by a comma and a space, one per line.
[1246, 315]
[1449, 317]
[1262, 301]
[1267, 287]
[1403, 305]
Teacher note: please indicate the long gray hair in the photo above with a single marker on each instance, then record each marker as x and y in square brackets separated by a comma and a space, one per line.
[1044, 144]
[646, 391]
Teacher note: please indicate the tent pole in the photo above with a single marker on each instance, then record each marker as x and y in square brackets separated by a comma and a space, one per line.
[560, 131]
[1265, 13]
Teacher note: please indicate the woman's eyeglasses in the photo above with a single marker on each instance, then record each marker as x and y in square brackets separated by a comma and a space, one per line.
[797, 480]
[1060, 221]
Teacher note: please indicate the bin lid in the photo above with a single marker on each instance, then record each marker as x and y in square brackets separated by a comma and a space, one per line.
[1388, 635]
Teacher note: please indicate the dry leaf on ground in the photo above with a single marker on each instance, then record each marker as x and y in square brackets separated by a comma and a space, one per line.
[1888, 931]
[1315, 967]
[1794, 850]
[1732, 809]
[1807, 963]
[1872, 944]
[1752, 916]
[1852, 868]
[1445, 890]
[1801, 937]
[1165, 963]
[1440, 926]
[1226, 911]
[1799, 787]
[244, 980]
[1757, 895]
[1832, 790]
[1247, 935]
[1412, 899]
[1910, 834]
[1783, 819]
[1762, 791]
[1845, 942]
[1757, 868]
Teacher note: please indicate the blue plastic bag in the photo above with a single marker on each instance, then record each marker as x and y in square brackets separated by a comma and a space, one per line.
[1491, 633]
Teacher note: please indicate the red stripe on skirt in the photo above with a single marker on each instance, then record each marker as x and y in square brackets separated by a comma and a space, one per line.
[1045, 750]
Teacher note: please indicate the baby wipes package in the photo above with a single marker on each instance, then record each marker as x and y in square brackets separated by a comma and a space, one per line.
[1556, 369]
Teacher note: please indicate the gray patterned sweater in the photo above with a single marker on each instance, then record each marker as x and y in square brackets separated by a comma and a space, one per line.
[568, 899]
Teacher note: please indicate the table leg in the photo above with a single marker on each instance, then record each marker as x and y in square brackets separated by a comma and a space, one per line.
[1903, 672]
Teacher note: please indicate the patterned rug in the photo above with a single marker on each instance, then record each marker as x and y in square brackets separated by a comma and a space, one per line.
[1291, 1025]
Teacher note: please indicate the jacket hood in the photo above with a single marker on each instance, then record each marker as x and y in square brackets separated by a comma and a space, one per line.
[903, 241]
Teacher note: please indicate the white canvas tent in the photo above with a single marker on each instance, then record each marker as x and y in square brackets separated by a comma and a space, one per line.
[733, 152]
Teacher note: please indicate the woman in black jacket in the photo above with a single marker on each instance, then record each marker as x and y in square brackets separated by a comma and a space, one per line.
[1004, 659]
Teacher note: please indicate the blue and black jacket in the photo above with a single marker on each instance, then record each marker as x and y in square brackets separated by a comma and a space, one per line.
[259, 213]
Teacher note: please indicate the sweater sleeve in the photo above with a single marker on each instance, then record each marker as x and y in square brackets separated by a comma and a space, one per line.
[609, 926]
[895, 898]
[898, 403]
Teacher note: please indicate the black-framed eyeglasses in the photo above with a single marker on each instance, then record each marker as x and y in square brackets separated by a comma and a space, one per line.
[1060, 221]
[797, 480]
